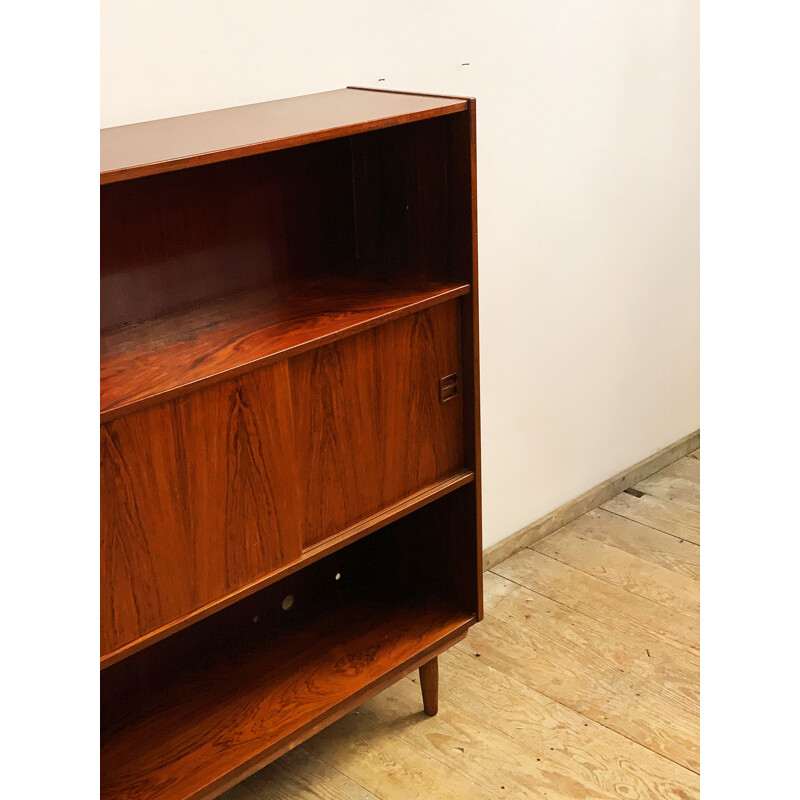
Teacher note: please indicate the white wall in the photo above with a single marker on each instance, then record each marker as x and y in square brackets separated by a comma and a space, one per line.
[588, 193]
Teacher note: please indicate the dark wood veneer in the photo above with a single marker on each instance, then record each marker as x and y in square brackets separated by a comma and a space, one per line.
[147, 148]
[204, 494]
[221, 720]
[290, 457]
[155, 360]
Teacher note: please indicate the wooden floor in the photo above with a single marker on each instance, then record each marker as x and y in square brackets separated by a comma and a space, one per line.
[581, 682]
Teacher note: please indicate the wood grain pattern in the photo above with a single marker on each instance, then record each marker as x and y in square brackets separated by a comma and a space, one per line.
[593, 671]
[358, 454]
[240, 792]
[175, 241]
[290, 515]
[569, 756]
[298, 775]
[588, 704]
[211, 491]
[308, 558]
[658, 514]
[147, 148]
[190, 740]
[510, 739]
[632, 615]
[679, 483]
[429, 684]
[154, 361]
[641, 541]
[621, 569]
[193, 503]
[387, 765]
[463, 178]
[672, 670]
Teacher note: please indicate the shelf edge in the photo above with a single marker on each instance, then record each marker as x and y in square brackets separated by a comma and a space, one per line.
[348, 536]
[134, 171]
[122, 408]
[337, 712]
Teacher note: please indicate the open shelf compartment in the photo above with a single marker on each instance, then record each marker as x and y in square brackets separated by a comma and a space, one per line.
[199, 711]
[213, 271]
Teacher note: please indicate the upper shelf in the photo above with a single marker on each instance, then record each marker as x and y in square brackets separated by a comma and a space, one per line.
[148, 148]
[152, 361]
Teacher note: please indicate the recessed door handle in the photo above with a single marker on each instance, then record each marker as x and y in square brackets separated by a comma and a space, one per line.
[448, 387]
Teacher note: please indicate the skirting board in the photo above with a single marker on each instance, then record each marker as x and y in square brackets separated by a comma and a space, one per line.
[588, 500]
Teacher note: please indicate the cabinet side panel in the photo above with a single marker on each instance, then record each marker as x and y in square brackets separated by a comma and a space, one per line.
[370, 420]
[464, 266]
[199, 496]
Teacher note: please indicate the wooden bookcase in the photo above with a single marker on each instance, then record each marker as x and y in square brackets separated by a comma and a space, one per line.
[290, 460]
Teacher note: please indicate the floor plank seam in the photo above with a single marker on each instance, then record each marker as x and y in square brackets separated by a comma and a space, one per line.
[638, 522]
[612, 666]
[521, 740]
[609, 583]
[597, 722]
[687, 648]
[690, 649]
[341, 772]
[337, 770]
[425, 753]
[563, 664]
[429, 754]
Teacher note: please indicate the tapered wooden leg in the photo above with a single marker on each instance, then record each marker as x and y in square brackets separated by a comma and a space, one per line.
[429, 681]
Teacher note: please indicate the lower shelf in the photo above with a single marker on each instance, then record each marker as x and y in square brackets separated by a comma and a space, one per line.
[221, 720]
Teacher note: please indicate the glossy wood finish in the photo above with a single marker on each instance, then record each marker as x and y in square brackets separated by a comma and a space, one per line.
[203, 495]
[359, 453]
[215, 726]
[621, 719]
[159, 359]
[308, 557]
[277, 321]
[175, 241]
[147, 148]
[429, 683]
[206, 706]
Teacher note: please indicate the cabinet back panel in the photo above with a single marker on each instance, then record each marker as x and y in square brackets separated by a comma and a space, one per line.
[176, 240]
[208, 492]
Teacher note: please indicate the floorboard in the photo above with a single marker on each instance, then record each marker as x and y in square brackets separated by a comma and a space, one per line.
[299, 775]
[588, 669]
[621, 569]
[647, 543]
[634, 616]
[678, 483]
[657, 513]
[581, 683]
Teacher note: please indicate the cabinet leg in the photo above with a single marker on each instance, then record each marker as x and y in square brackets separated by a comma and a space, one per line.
[429, 681]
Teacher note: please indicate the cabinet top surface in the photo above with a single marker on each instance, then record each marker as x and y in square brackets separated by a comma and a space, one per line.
[148, 148]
